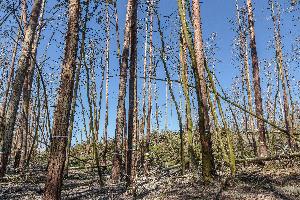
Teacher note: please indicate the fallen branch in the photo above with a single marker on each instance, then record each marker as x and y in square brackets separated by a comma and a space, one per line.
[253, 114]
[171, 167]
[269, 158]
[89, 167]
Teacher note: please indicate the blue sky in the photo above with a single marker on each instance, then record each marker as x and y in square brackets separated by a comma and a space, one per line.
[216, 16]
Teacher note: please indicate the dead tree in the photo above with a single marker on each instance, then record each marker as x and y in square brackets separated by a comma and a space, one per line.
[117, 158]
[76, 86]
[256, 83]
[13, 105]
[27, 90]
[243, 48]
[163, 57]
[205, 135]
[132, 104]
[281, 76]
[107, 30]
[63, 107]
[150, 74]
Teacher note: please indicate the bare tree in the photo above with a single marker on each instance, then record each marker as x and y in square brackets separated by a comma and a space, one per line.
[63, 107]
[76, 86]
[27, 90]
[132, 104]
[13, 105]
[281, 71]
[117, 159]
[243, 47]
[107, 30]
[256, 83]
[208, 162]
[150, 72]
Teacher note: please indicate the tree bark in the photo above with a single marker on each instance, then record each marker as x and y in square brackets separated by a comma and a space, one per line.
[246, 74]
[27, 90]
[132, 104]
[205, 135]
[150, 72]
[62, 111]
[117, 158]
[76, 86]
[256, 83]
[107, 30]
[279, 61]
[184, 77]
[13, 106]
[169, 83]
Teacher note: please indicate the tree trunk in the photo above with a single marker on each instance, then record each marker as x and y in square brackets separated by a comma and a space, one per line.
[107, 30]
[13, 106]
[24, 13]
[90, 89]
[205, 135]
[179, 117]
[117, 158]
[11, 74]
[246, 74]
[77, 80]
[150, 72]
[184, 77]
[132, 104]
[279, 61]
[143, 120]
[256, 83]
[37, 123]
[62, 111]
[27, 90]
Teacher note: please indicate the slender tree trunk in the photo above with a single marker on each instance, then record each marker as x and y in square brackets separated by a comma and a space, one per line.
[27, 91]
[24, 13]
[77, 81]
[205, 135]
[11, 73]
[13, 106]
[184, 77]
[107, 30]
[156, 103]
[150, 72]
[229, 137]
[124, 141]
[63, 107]
[256, 82]
[132, 104]
[166, 109]
[37, 123]
[244, 56]
[279, 61]
[218, 130]
[91, 93]
[143, 120]
[117, 159]
[83, 117]
[179, 117]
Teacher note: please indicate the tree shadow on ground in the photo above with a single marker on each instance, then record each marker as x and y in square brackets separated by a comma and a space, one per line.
[258, 184]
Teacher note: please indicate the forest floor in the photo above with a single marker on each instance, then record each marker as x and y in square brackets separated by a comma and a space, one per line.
[275, 180]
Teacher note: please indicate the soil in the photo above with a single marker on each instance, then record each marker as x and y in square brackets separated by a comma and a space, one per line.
[274, 180]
